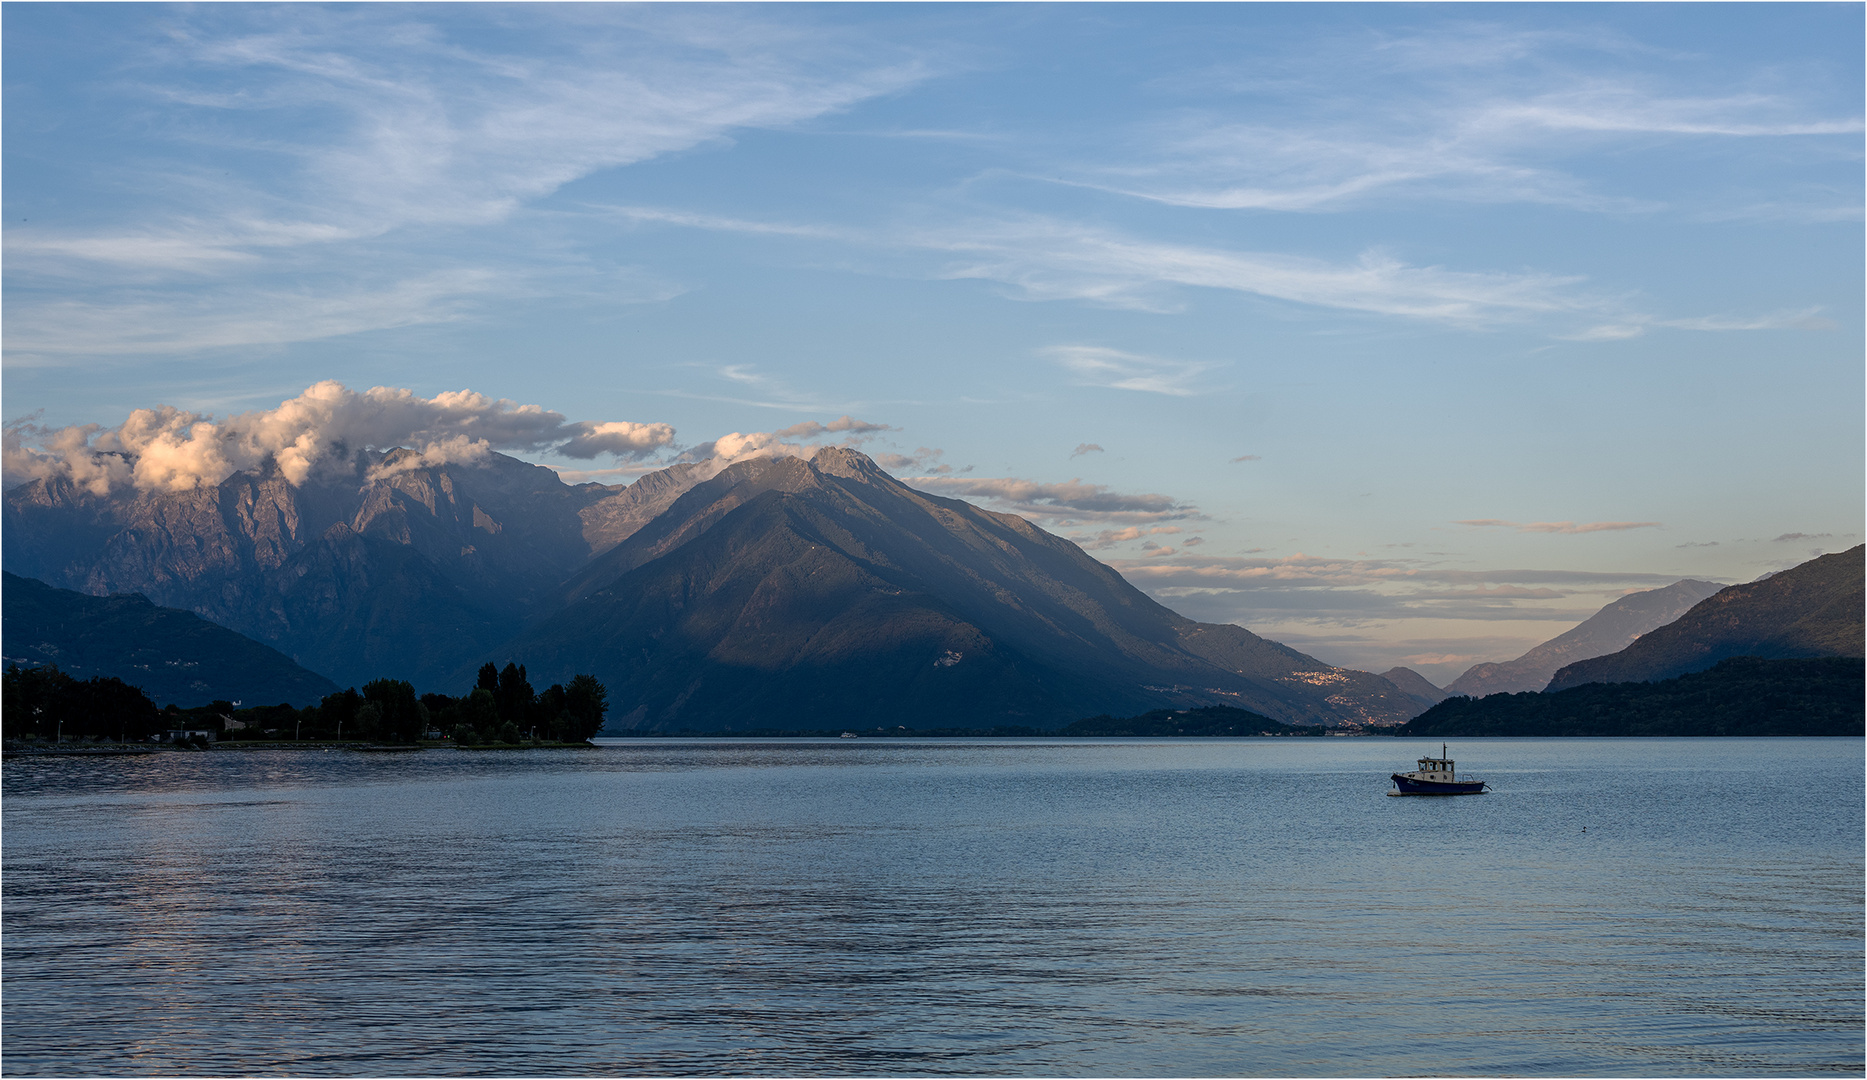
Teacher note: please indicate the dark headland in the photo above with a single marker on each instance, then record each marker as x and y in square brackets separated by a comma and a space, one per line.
[1739, 696]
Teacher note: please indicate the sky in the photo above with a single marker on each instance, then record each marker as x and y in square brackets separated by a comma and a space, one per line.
[1400, 334]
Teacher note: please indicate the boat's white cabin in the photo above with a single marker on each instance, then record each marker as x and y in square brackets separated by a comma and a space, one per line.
[1434, 768]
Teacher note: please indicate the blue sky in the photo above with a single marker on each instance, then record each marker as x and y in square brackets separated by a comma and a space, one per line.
[1401, 334]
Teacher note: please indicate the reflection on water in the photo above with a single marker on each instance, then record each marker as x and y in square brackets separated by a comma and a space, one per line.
[1037, 907]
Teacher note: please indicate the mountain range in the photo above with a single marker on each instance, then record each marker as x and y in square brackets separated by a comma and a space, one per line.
[1781, 655]
[1609, 630]
[774, 592]
[1810, 610]
[176, 657]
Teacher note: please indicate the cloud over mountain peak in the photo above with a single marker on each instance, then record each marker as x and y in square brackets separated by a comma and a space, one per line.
[170, 449]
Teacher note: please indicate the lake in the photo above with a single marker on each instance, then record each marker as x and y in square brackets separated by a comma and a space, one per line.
[1136, 907]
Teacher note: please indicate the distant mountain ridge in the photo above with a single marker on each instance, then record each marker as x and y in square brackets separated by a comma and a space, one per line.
[1608, 630]
[1810, 610]
[777, 588]
[176, 657]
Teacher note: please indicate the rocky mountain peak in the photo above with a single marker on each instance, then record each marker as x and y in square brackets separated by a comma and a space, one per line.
[847, 463]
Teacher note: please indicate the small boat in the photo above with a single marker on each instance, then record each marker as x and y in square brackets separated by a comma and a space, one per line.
[1435, 776]
[849, 735]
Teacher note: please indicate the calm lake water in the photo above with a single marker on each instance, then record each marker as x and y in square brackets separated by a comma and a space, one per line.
[1225, 907]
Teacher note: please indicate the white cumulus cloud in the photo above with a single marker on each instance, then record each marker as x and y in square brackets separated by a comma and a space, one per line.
[170, 449]
[800, 440]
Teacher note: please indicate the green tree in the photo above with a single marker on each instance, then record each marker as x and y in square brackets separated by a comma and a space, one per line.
[119, 710]
[368, 721]
[514, 696]
[586, 701]
[49, 703]
[482, 711]
[337, 713]
[399, 713]
[29, 700]
[550, 701]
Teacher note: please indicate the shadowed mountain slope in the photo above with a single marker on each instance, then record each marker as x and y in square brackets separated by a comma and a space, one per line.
[779, 592]
[783, 593]
[1609, 630]
[1809, 610]
[383, 566]
[176, 657]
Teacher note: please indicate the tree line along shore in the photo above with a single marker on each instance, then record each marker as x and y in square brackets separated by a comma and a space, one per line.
[43, 704]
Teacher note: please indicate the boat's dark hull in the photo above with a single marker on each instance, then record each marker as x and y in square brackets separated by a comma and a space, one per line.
[1410, 786]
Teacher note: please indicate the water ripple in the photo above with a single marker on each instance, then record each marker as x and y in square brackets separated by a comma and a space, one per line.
[1021, 908]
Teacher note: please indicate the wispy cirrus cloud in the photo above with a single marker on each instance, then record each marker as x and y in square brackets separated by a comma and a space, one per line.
[1108, 538]
[48, 329]
[408, 131]
[1466, 111]
[761, 390]
[1496, 151]
[1096, 366]
[1562, 527]
[1295, 594]
[1066, 503]
[842, 425]
[1044, 258]
[924, 459]
[426, 125]
[1326, 572]
[1635, 325]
